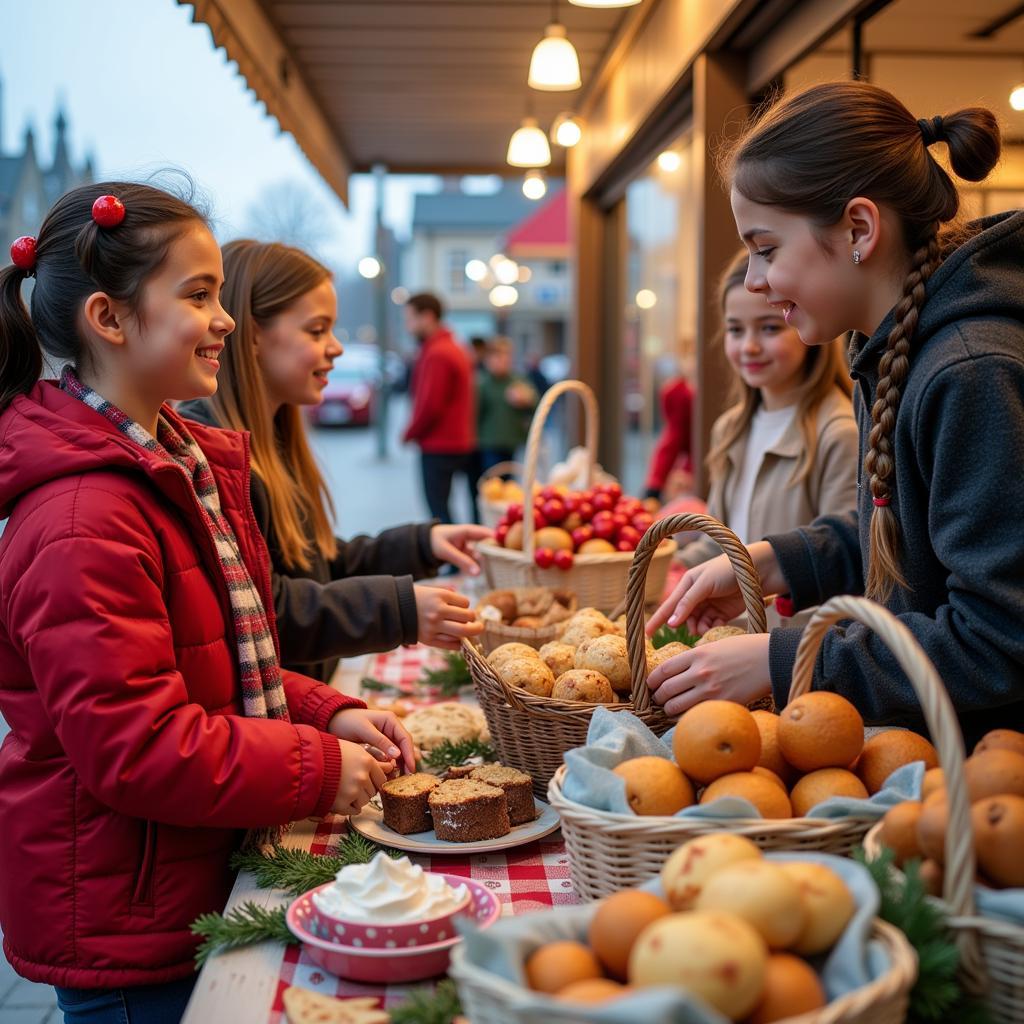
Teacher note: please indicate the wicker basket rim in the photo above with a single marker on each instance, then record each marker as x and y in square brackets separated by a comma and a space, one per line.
[495, 550]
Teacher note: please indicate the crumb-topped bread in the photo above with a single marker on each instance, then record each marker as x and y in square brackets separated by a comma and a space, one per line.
[517, 787]
[405, 802]
[466, 811]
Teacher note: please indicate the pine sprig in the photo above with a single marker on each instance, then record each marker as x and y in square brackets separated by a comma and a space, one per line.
[378, 686]
[452, 677]
[668, 635]
[426, 1006]
[451, 753]
[242, 926]
[298, 871]
[937, 994]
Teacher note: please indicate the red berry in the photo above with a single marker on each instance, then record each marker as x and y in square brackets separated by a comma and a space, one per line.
[620, 519]
[544, 557]
[108, 211]
[603, 502]
[550, 491]
[500, 533]
[624, 545]
[539, 522]
[571, 503]
[614, 491]
[586, 511]
[630, 506]
[582, 534]
[587, 495]
[514, 512]
[604, 529]
[554, 510]
[563, 559]
[630, 536]
[23, 252]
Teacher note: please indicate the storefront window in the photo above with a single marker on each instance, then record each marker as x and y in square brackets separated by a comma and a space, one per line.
[660, 299]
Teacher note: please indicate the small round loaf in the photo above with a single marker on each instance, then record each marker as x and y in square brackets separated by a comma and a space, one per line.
[506, 652]
[529, 674]
[607, 655]
[585, 685]
[720, 633]
[662, 654]
[583, 628]
[558, 657]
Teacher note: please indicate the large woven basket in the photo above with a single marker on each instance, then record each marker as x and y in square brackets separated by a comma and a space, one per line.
[492, 511]
[489, 999]
[991, 951]
[608, 851]
[598, 580]
[532, 733]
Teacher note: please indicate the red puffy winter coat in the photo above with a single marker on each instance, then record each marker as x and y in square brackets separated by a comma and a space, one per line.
[129, 770]
[443, 417]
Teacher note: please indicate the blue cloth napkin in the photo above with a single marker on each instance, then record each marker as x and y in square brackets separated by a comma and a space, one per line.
[619, 736]
[502, 949]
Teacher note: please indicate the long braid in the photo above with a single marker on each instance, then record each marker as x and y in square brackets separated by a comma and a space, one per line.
[884, 570]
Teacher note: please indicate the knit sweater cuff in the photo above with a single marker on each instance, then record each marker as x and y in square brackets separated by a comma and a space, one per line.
[322, 704]
[407, 609]
[797, 566]
[426, 551]
[782, 645]
[332, 774]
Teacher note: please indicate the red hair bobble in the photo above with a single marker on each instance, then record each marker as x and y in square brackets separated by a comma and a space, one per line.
[23, 253]
[880, 502]
[108, 211]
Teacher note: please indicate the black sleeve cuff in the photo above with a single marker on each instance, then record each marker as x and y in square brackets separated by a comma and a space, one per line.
[407, 609]
[782, 645]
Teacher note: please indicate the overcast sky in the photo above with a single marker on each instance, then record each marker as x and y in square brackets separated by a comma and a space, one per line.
[144, 89]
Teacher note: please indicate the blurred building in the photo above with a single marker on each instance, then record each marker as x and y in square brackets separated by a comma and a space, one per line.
[29, 184]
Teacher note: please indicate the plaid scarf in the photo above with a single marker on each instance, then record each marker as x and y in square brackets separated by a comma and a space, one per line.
[262, 688]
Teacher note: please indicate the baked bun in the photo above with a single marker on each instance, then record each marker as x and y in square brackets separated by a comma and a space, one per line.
[584, 685]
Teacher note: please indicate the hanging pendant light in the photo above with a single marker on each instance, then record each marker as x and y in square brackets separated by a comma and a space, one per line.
[566, 130]
[554, 66]
[534, 184]
[1017, 97]
[528, 146]
[604, 3]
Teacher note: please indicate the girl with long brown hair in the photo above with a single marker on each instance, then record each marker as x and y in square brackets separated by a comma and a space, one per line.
[333, 598]
[785, 451]
[851, 223]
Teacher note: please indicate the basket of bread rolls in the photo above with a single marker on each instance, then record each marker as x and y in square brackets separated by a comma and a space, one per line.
[580, 541]
[528, 615]
[967, 831]
[783, 764]
[539, 702]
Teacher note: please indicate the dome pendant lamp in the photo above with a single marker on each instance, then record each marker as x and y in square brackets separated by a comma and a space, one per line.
[555, 65]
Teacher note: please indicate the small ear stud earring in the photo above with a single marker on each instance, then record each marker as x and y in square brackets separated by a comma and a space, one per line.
[856, 255]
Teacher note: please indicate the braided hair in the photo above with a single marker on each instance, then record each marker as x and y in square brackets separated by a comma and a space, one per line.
[812, 153]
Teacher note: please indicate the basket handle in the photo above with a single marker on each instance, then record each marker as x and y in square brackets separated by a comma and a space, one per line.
[501, 468]
[540, 417]
[958, 878]
[746, 576]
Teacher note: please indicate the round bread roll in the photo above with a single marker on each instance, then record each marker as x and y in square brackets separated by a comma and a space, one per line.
[585, 685]
[506, 652]
[720, 633]
[579, 630]
[529, 674]
[558, 657]
[607, 655]
[504, 601]
[662, 654]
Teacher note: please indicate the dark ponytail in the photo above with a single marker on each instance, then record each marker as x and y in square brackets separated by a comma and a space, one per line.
[21, 361]
[815, 151]
[74, 258]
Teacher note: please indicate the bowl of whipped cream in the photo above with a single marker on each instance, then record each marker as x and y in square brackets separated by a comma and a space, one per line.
[388, 920]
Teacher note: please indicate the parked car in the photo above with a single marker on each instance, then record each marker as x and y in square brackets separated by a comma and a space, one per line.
[349, 397]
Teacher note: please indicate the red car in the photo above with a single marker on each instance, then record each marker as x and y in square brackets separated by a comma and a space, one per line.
[348, 398]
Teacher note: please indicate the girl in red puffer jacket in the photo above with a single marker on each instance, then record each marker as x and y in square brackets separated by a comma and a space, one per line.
[150, 720]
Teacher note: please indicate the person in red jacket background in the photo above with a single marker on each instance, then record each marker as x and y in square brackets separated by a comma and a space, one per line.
[150, 719]
[671, 459]
[443, 421]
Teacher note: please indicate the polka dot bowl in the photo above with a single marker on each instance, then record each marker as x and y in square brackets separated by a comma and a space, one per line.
[384, 957]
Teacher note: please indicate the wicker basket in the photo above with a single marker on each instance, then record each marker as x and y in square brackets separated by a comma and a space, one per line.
[489, 999]
[492, 511]
[991, 951]
[532, 733]
[598, 580]
[610, 851]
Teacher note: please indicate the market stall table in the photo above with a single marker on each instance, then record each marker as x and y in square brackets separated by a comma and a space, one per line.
[247, 984]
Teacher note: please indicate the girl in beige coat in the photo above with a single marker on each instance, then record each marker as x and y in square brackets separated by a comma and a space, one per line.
[785, 452]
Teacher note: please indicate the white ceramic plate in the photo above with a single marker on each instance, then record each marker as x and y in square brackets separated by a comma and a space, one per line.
[370, 823]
